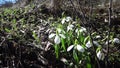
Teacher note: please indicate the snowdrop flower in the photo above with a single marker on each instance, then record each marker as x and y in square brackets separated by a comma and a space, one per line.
[74, 22]
[68, 19]
[96, 43]
[64, 60]
[82, 29]
[116, 40]
[100, 55]
[57, 37]
[22, 31]
[77, 30]
[88, 44]
[78, 47]
[106, 43]
[59, 30]
[70, 48]
[105, 20]
[70, 27]
[98, 37]
[51, 35]
[63, 21]
[63, 36]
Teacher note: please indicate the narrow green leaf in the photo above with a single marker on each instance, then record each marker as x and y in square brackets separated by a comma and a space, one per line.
[89, 65]
[56, 51]
[75, 56]
[63, 44]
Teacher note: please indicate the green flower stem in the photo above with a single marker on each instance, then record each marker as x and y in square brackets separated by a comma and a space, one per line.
[63, 44]
[56, 50]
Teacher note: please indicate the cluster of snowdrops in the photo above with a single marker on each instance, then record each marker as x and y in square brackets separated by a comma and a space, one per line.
[71, 40]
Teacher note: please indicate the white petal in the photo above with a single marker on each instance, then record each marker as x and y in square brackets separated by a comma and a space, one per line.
[76, 30]
[83, 29]
[68, 19]
[70, 27]
[70, 48]
[64, 60]
[57, 39]
[98, 36]
[105, 20]
[63, 36]
[80, 48]
[59, 30]
[106, 43]
[63, 21]
[88, 44]
[116, 40]
[100, 55]
[74, 22]
[96, 43]
[51, 36]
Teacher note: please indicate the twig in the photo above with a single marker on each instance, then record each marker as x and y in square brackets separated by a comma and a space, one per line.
[80, 16]
[109, 31]
[2, 41]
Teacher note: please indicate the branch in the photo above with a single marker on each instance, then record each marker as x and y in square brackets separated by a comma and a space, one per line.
[109, 31]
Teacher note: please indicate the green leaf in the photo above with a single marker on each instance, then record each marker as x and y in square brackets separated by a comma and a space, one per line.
[7, 30]
[88, 62]
[63, 44]
[56, 51]
[81, 37]
[75, 56]
[86, 39]
[89, 65]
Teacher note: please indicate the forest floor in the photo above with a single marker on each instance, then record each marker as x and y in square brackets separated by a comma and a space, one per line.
[24, 32]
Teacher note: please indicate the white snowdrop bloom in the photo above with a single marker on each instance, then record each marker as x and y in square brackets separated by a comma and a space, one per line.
[70, 27]
[80, 61]
[70, 48]
[68, 19]
[98, 37]
[62, 35]
[77, 30]
[63, 21]
[105, 20]
[22, 31]
[116, 40]
[57, 39]
[59, 30]
[82, 29]
[100, 55]
[80, 48]
[74, 22]
[106, 43]
[51, 35]
[24, 26]
[64, 60]
[88, 44]
[96, 43]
